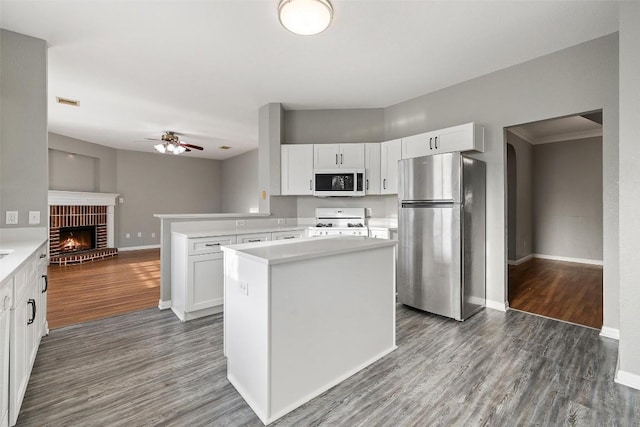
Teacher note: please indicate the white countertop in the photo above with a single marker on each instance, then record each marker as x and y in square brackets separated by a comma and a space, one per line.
[283, 251]
[21, 249]
[211, 216]
[239, 230]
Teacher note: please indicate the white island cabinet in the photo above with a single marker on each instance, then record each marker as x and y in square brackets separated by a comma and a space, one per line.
[303, 315]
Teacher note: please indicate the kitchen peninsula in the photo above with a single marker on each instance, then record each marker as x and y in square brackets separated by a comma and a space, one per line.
[303, 315]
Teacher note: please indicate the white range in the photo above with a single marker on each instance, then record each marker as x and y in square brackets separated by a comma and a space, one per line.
[339, 222]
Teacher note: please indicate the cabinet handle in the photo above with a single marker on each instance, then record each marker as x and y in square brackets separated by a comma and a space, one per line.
[367, 187]
[341, 159]
[212, 244]
[384, 183]
[310, 184]
[33, 304]
[336, 159]
[46, 283]
[254, 240]
[436, 142]
[43, 256]
[288, 237]
[430, 140]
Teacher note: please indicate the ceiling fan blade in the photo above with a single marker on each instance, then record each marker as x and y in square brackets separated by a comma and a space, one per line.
[153, 139]
[186, 150]
[195, 147]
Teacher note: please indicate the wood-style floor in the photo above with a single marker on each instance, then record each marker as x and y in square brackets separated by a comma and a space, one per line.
[127, 282]
[561, 290]
[495, 369]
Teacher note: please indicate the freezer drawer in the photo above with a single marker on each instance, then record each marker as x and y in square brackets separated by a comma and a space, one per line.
[429, 258]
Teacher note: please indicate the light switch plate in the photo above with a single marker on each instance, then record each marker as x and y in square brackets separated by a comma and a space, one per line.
[34, 217]
[244, 288]
[282, 220]
[12, 217]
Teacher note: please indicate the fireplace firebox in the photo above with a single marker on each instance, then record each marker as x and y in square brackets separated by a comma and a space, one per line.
[77, 239]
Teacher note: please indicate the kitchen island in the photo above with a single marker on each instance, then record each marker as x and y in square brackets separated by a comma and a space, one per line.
[301, 316]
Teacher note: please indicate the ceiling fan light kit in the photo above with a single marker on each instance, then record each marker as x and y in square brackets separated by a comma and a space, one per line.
[171, 144]
[305, 17]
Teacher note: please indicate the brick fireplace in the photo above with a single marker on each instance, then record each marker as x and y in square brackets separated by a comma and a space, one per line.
[80, 226]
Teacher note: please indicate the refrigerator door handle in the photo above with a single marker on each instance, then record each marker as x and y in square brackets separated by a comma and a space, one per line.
[427, 204]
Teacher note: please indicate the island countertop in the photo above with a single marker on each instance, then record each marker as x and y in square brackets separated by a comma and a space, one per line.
[283, 251]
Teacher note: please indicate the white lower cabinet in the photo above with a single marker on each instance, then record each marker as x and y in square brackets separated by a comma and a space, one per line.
[197, 275]
[28, 325]
[6, 292]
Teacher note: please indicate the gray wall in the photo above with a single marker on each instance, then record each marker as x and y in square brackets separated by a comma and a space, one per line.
[149, 183]
[240, 183]
[524, 193]
[162, 184]
[23, 127]
[73, 172]
[554, 85]
[512, 194]
[381, 206]
[333, 126]
[106, 162]
[629, 349]
[567, 199]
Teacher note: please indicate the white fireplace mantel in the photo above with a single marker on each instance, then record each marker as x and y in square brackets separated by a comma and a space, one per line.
[82, 198]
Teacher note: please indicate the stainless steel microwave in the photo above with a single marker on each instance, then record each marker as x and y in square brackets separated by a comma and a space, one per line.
[338, 182]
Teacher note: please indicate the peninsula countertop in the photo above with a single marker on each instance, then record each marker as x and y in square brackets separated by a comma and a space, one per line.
[283, 251]
[16, 251]
[239, 231]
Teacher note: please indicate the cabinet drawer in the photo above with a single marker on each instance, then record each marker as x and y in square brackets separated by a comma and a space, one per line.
[285, 235]
[251, 238]
[207, 245]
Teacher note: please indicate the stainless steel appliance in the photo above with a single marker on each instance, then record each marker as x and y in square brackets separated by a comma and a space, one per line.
[338, 182]
[441, 226]
[339, 221]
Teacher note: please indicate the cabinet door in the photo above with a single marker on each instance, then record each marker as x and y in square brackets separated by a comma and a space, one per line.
[253, 238]
[417, 145]
[352, 156]
[297, 169]
[205, 282]
[372, 168]
[456, 138]
[5, 305]
[20, 342]
[326, 156]
[390, 154]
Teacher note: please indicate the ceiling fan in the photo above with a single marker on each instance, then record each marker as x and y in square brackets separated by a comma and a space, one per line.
[171, 143]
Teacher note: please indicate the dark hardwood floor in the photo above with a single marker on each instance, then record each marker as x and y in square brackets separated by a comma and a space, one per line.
[127, 282]
[561, 290]
[495, 369]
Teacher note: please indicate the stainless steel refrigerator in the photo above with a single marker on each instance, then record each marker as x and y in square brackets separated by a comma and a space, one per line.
[441, 232]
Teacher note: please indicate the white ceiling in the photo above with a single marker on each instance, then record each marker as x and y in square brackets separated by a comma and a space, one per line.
[203, 68]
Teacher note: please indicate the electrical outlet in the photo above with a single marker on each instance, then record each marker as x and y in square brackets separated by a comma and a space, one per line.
[34, 217]
[240, 223]
[244, 288]
[139, 234]
[153, 235]
[367, 212]
[12, 217]
[121, 200]
[282, 221]
[127, 236]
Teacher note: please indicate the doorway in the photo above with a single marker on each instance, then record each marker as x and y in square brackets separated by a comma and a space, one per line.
[554, 218]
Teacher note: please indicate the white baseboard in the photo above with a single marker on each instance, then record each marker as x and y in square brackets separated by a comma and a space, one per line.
[496, 305]
[610, 333]
[163, 305]
[628, 379]
[520, 261]
[137, 248]
[569, 259]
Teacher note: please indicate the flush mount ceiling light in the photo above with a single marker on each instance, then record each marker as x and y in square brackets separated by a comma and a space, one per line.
[305, 17]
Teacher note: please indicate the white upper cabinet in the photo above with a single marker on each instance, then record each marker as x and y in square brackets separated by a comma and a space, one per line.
[466, 137]
[338, 156]
[296, 169]
[390, 154]
[372, 168]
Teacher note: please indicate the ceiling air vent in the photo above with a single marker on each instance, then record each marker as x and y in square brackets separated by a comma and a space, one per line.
[224, 147]
[67, 101]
